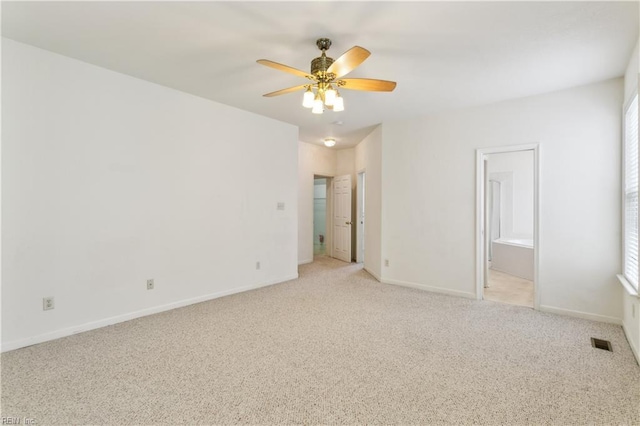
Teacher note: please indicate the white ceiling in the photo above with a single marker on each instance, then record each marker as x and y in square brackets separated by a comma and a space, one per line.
[444, 55]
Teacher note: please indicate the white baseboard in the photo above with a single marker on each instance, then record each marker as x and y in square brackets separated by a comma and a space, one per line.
[374, 275]
[578, 314]
[634, 350]
[305, 261]
[41, 338]
[432, 289]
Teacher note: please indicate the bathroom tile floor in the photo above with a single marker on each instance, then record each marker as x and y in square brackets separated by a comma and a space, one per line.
[510, 289]
[319, 249]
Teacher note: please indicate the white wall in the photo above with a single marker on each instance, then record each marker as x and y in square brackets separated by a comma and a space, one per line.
[428, 187]
[345, 161]
[631, 303]
[515, 172]
[368, 158]
[312, 160]
[108, 180]
[631, 74]
[318, 160]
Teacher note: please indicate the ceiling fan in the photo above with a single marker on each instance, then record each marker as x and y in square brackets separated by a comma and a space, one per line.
[326, 78]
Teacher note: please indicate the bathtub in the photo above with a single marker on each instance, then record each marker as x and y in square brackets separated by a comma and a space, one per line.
[513, 256]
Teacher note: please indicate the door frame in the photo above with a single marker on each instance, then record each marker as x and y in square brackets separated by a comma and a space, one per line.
[481, 258]
[328, 237]
[360, 204]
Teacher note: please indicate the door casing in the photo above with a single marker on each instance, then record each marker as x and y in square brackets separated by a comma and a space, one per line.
[481, 249]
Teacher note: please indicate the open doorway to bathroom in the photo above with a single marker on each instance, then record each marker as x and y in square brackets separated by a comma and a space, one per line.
[508, 218]
[320, 217]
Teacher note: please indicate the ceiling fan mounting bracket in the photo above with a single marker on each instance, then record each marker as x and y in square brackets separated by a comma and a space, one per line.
[323, 44]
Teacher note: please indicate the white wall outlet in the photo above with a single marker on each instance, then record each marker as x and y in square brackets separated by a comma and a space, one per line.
[386, 262]
[280, 205]
[150, 284]
[48, 303]
[257, 265]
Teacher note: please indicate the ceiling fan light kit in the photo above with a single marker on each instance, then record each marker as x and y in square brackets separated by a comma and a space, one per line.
[308, 98]
[326, 78]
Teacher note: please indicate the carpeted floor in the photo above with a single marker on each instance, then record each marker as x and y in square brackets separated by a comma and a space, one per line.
[333, 347]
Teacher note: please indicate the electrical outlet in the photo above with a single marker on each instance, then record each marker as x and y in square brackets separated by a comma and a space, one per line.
[280, 205]
[257, 265]
[48, 303]
[150, 284]
[386, 262]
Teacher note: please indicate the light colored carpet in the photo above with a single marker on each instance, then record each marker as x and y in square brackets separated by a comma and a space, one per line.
[333, 347]
[508, 288]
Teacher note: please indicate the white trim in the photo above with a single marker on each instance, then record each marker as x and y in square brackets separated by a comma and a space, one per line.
[360, 207]
[432, 289]
[374, 275]
[479, 222]
[631, 291]
[623, 193]
[629, 340]
[329, 217]
[328, 238]
[480, 249]
[509, 148]
[305, 261]
[41, 338]
[579, 314]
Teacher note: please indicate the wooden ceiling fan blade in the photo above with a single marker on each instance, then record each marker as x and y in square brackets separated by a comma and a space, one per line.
[284, 68]
[367, 84]
[285, 91]
[348, 61]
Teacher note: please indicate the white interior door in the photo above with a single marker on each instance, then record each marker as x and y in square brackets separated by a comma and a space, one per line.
[342, 218]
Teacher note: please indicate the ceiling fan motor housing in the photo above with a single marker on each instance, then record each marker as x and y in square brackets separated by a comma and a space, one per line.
[320, 64]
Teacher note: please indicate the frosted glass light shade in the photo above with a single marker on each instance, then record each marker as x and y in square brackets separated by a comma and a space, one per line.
[338, 104]
[318, 108]
[307, 99]
[329, 96]
[329, 142]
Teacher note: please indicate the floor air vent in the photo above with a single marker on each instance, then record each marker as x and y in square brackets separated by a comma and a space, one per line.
[601, 344]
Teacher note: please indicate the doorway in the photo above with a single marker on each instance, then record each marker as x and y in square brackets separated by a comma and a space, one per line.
[321, 215]
[507, 225]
